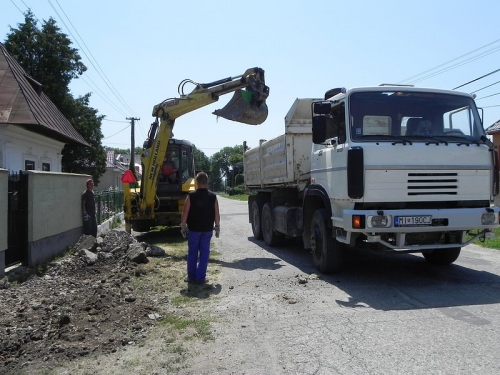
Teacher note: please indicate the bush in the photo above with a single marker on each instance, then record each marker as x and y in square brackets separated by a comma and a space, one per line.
[237, 190]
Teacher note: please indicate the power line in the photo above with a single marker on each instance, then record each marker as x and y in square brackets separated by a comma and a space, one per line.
[488, 96]
[474, 58]
[477, 79]
[105, 119]
[485, 87]
[452, 60]
[18, 7]
[96, 88]
[103, 76]
[126, 127]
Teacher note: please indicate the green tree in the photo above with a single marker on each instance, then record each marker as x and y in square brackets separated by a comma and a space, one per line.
[85, 160]
[228, 163]
[47, 56]
[201, 161]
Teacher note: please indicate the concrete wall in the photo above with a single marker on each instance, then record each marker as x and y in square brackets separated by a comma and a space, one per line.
[4, 188]
[54, 213]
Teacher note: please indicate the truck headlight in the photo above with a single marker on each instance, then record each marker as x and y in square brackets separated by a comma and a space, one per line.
[488, 218]
[379, 221]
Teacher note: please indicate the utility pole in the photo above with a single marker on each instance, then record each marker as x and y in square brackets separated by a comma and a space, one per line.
[132, 143]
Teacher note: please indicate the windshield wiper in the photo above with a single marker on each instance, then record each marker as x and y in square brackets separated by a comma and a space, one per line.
[434, 140]
[465, 141]
[395, 138]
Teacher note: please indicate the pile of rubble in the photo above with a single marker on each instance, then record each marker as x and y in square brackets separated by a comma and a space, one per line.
[79, 305]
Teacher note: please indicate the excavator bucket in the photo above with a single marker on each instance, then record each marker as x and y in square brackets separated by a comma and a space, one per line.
[242, 108]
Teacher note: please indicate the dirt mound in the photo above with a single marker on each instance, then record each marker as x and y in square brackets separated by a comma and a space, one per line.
[85, 303]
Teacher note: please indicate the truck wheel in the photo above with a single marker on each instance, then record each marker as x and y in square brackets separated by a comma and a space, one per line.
[256, 216]
[326, 251]
[442, 257]
[271, 238]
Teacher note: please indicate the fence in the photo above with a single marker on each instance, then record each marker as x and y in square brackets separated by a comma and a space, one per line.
[108, 203]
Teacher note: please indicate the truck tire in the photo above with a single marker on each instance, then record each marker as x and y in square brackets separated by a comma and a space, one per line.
[256, 216]
[326, 251]
[442, 257]
[271, 238]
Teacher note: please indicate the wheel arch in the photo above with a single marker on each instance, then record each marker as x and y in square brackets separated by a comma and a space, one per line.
[315, 198]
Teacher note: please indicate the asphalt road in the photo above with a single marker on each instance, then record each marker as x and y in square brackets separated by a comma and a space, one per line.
[381, 315]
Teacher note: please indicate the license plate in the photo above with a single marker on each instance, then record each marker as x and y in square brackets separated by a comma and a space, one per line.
[412, 221]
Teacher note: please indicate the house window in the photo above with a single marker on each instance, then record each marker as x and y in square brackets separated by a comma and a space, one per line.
[29, 165]
[46, 167]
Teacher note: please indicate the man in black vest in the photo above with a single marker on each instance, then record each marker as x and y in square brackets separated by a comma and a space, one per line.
[201, 211]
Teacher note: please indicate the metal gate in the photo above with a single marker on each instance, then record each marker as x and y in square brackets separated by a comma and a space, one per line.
[17, 239]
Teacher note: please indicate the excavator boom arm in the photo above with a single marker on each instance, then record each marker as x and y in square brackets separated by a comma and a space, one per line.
[247, 106]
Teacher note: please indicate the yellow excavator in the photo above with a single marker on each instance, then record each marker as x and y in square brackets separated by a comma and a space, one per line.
[158, 199]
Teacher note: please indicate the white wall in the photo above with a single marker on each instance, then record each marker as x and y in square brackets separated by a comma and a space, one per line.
[18, 145]
[54, 203]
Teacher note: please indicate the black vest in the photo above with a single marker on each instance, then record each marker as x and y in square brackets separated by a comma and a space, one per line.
[201, 215]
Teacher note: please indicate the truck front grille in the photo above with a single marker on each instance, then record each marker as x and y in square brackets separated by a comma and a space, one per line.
[435, 183]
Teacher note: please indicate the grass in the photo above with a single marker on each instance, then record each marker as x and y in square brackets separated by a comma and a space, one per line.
[491, 243]
[238, 197]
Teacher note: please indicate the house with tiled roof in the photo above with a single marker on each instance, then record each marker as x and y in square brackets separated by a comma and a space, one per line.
[494, 131]
[115, 168]
[33, 131]
[116, 165]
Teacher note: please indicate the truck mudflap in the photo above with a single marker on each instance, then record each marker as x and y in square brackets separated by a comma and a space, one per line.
[417, 230]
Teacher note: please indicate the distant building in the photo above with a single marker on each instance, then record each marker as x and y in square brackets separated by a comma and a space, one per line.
[494, 131]
[116, 165]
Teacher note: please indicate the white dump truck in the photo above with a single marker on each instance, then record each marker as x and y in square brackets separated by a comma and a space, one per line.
[389, 168]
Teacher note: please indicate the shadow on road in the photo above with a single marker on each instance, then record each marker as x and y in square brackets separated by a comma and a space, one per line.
[250, 264]
[397, 281]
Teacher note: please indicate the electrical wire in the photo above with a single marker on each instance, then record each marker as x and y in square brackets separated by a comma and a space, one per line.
[452, 60]
[485, 87]
[105, 119]
[112, 135]
[95, 87]
[12, 1]
[97, 90]
[488, 96]
[477, 79]
[98, 69]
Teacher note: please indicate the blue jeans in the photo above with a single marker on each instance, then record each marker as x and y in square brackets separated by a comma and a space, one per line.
[198, 254]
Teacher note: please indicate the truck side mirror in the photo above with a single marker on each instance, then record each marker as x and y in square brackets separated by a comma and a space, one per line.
[319, 129]
[322, 108]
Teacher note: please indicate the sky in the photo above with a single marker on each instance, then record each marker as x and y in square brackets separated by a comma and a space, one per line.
[137, 53]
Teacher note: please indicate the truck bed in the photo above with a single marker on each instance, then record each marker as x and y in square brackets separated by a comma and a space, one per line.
[286, 159]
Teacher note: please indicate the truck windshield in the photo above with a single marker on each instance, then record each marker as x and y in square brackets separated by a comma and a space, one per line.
[413, 117]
